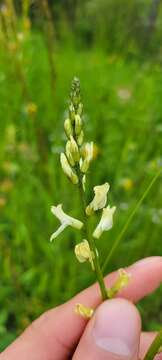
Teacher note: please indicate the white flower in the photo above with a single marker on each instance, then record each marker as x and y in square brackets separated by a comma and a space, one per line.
[65, 221]
[106, 221]
[83, 253]
[100, 198]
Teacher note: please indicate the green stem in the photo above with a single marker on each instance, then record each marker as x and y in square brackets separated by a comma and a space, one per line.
[155, 346]
[118, 239]
[91, 241]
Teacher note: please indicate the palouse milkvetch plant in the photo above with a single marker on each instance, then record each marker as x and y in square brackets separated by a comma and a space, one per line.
[75, 163]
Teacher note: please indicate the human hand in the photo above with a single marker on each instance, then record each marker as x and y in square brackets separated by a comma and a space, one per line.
[113, 333]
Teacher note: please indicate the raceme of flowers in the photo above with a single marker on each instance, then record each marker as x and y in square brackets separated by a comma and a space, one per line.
[75, 163]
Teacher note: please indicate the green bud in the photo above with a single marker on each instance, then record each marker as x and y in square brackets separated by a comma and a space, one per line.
[69, 154]
[72, 113]
[80, 109]
[80, 138]
[68, 128]
[74, 149]
[69, 172]
[78, 124]
[84, 165]
[75, 92]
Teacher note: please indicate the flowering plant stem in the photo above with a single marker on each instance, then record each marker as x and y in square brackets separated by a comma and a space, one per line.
[90, 239]
[154, 348]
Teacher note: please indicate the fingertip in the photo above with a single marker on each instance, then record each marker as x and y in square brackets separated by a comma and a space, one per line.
[114, 331]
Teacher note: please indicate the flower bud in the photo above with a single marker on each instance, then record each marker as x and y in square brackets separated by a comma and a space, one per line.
[80, 109]
[78, 124]
[69, 154]
[74, 149]
[68, 170]
[83, 253]
[68, 128]
[72, 113]
[84, 165]
[80, 138]
[87, 151]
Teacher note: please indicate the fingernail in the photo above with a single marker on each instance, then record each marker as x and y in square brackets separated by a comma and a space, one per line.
[117, 328]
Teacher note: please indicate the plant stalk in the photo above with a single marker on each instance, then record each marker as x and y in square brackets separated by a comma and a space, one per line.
[91, 241]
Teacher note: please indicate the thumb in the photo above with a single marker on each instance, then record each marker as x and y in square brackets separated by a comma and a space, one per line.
[112, 334]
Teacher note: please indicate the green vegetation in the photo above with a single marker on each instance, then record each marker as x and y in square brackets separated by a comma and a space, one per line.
[123, 115]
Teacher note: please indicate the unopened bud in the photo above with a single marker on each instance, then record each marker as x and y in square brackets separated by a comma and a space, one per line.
[78, 124]
[72, 113]
[84, 165]
[80, 138]
[80, 109]
[68, 128]
[69, 154]
[68, 170]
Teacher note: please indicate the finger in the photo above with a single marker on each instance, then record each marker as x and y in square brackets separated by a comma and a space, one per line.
[50, 333]
[112, 334]
[145, 342]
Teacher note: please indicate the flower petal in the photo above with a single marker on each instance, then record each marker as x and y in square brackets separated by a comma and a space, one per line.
[106, 221]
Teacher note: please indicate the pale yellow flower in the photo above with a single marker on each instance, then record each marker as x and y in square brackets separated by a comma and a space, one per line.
[83, 253]
[106, 221]
[65, 221]
[127, 184]
[99, 200]
[87, 154]
[31, 108]
[121, 282]
[84, 311]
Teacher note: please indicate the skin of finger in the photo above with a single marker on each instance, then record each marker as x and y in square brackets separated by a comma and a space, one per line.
[51, 330]
[146, 340]
[121, 316]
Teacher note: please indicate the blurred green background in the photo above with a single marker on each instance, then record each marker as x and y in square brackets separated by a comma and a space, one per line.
[115, 48]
